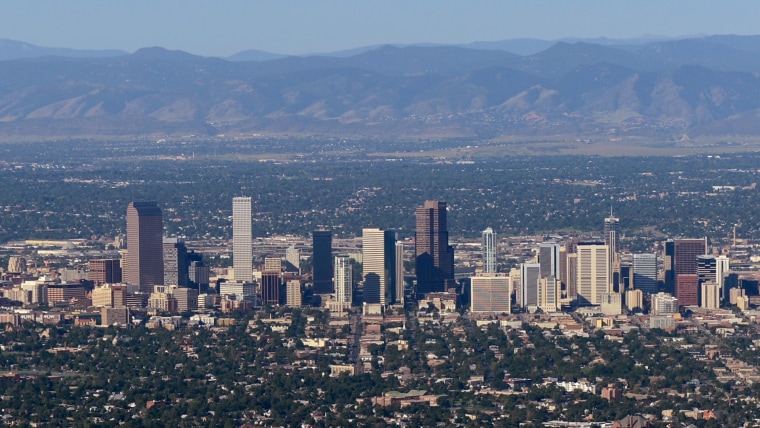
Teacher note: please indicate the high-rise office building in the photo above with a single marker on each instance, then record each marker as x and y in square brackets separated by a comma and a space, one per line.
[710, 295]
[687, 289]
[669, 261]
[242, 239]
[145, 259]
[593, 272]
[322, 259]
[294, 298]
[434, 257]
[489, 251]
[707, 268]
[199, 274]
[548, 258]
[612, 233]
[270, 288]
[548, 294]
[343, 280]
[722, 266]
[490, 293]
[645, 272]
[612, 239]
[175, 262]
[571, 286]
[399, 296]
[686, 253]
[292, 259]
[515, 285]
[379, 265]
[105, 271]
[530, 274]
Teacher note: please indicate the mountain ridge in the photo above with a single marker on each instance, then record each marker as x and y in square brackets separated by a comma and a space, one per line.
[660, 90]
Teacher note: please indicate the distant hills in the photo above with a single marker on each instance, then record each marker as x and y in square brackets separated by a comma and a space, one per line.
[657, 89]
[13, 49]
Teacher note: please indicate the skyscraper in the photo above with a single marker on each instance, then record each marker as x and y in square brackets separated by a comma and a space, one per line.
[293, 293]
[687, 289]
[669, 263]
[722, 266]
[548, 294]
[645, 272]
[379, 265]
[293, 259]
[242, 239]
[548, 258]
[593, 272]
[490, 293]
[489, 251]
[343, 279]
[707, 266]
[175, 262]
[434, 257]
[145, 260]
[530, 274]
[612, 232]
[400, 284]
[612, 239]
[270, 288]
[686, 252]
[322, 259]
[104, 271]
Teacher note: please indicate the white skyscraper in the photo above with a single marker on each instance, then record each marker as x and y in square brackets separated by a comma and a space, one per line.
[548, 294]
[242, 239]
[722, 266]
[710, 295]
[593, 272]
[343, 279]
[293, 256]
[379, 260]
[489, 251]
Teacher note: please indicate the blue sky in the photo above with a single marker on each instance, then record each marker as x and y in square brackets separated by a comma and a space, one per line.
[306, 26]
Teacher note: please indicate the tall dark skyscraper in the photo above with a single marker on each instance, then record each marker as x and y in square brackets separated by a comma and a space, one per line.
[104, 271]
[322, 262]
[434, 262]
[686, 253]
[145, 256]
[670, 264]
[681, 259]
[175, 262]
[270, 288]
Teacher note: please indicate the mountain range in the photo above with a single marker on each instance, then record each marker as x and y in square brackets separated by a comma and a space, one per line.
[658, 89]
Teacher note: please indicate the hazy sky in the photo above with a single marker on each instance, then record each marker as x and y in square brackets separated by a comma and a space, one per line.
[305, 26]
